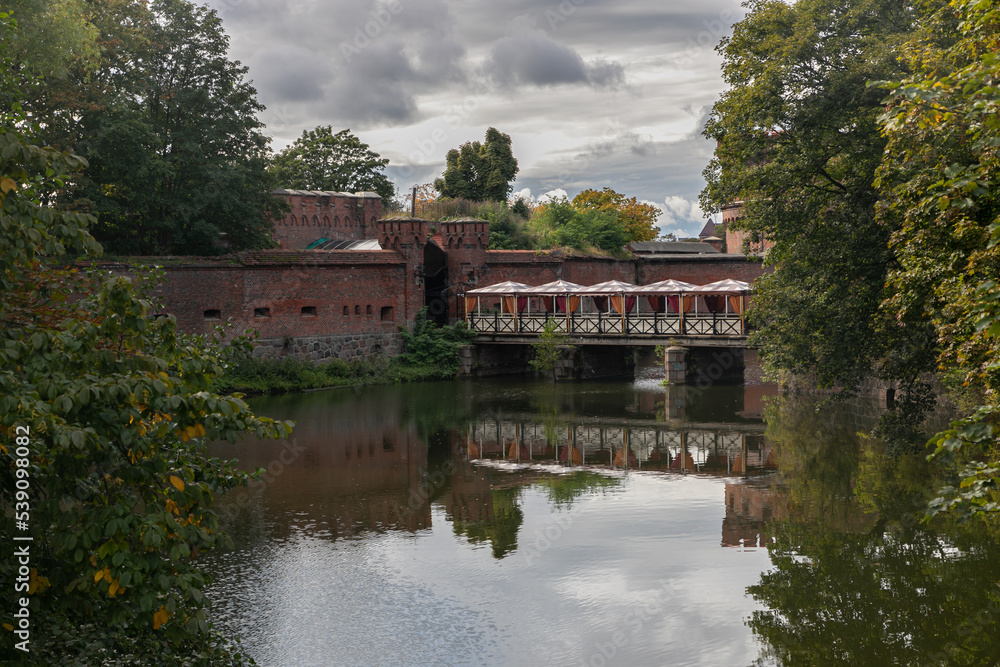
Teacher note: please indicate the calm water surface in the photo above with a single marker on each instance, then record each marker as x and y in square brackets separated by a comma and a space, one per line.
[526, 523]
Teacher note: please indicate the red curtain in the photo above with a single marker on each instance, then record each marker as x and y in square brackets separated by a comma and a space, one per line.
[547, 303]
[508, 304]
[675, 303]
[601, 303]
[715, 303]
[658, 304]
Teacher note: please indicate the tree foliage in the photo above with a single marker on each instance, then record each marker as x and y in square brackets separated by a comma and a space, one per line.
[637, 219]
[548, 348]
[177, 160]
[798, 142]
[479, 171]
[939, 184]
[560, 223]
[111, 404]
[432, 346]
[322, 160]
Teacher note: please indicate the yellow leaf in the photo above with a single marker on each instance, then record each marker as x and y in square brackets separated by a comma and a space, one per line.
[107, 575]
[7, 184]
[9, 626]
[114, 588]
[160, 617]
[98, 575]
[177, 482]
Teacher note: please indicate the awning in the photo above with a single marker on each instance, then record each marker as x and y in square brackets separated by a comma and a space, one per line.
[506, 287]
[727, 286]
[664, 287]
[609, 287]
[555, 288]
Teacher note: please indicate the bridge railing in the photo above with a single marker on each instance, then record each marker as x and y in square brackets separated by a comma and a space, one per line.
[652, 325]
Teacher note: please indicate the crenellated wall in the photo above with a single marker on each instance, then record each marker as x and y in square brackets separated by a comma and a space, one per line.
[317, 214]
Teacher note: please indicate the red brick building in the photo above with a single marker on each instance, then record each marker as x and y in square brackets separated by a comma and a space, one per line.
[346, 303]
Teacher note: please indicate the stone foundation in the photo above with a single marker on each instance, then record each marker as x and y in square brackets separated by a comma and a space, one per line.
[320, 348]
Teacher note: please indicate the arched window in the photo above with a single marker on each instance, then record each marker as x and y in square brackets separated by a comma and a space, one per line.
[326, 221]
[315, 221]
[336, 221]
[292, 221]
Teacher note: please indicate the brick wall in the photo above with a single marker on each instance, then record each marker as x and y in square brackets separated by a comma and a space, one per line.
[310, 304]
[316, 214]
[320, 304]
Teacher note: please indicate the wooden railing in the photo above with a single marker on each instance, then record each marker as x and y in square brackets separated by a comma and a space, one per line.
[649, 325]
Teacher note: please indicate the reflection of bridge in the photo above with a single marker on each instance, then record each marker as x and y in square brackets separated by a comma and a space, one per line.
[640, 444]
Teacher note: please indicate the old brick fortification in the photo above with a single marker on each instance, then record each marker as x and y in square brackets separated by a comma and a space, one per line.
[316, 214]
[320, 304]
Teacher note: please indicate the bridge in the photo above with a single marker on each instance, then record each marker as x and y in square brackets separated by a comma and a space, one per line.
[615, 314]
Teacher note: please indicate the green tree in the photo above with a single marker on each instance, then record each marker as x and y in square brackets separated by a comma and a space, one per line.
[561, 223]
[799, 141]
[479, 171]
[939, 185]
[637, 219]
[177, 157]
[549, 347]
[104, 415]
[53, 36]
[322, 160]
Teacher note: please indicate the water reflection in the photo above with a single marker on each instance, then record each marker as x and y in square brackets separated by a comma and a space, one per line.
[396, 528]
[857, 577]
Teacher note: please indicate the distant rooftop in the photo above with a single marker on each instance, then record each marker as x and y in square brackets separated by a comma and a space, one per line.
[671, 248]
[707, 230]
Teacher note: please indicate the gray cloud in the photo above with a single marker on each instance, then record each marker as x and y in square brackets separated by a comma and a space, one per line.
[529, 56]
[549, 72]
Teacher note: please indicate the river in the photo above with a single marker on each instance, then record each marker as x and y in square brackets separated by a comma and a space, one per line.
[514, 522]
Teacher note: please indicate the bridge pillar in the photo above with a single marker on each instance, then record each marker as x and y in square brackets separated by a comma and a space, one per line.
[466, 360]
[675, 365]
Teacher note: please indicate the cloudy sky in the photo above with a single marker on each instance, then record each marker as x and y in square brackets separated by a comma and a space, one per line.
[594, 93]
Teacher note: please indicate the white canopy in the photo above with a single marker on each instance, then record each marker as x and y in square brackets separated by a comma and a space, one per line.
[727, 286]
[669, 286]
[555, 288]
[506, 287]
[609, 287]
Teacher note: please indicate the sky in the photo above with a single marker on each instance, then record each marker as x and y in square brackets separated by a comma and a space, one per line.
[594, 93]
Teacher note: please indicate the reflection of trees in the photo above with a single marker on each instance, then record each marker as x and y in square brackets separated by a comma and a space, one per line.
[880, 599]
[564, 489]
[868, 589]
[500, 530]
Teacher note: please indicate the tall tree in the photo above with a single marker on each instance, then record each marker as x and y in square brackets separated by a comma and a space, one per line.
[479, 171]
[322, 160]
[940, 195]
[637, 219]
[177, 157]
[798, 141]
[104, 411]
[53, 36]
